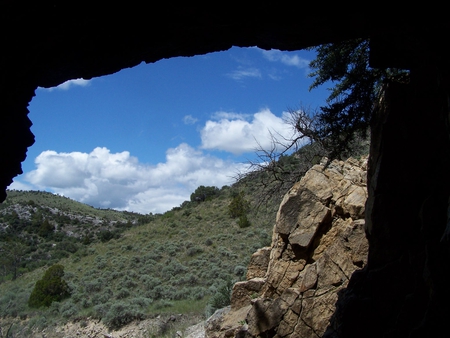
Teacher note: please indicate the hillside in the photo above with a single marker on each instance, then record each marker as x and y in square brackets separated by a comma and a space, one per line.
[122, 266]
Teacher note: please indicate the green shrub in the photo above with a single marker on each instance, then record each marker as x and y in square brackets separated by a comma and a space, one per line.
[194, 251]
[13, 303]
[243, 221]
[128, 282]
[94, 285]
[240, 270]
[50, 288]
[100, 310]
[220, 299]
[141, 301]
[68, 246]
[122, 313]
[105, 235]
[38, 322]
[123, 292]
[46, 229]
[102, 297]
[68, 309]
[149, 281]
[202, 193]
[197, 293]
[238, 206]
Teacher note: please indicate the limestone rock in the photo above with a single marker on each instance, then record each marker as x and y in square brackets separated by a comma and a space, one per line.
[258, 263]
[318, 242]
[214, 323]
[243, 292]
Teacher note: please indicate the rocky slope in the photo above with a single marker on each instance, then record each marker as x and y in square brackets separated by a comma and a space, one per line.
[161, 326]
[318, 242]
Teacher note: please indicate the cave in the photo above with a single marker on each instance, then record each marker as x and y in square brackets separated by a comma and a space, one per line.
[403, 291]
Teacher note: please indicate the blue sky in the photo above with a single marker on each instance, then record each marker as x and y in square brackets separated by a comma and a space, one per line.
[145, 138]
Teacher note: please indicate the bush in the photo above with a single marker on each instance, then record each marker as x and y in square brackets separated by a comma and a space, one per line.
[240, 270]
[202, 193]
[68, 246]
[220, 299]
[105, 235]
[122, 313]
[101, 310]
[194, 251]
[50, 288]
[238, 206]
[243, 222]
[92, 285]
[68, 309]
[46, 229]
[123, 292]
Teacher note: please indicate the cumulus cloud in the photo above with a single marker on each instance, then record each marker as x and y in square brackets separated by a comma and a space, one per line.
[275, 55]
[242, 73]
[17, 185]
[70, 83]
[118, 180]
[240, 134]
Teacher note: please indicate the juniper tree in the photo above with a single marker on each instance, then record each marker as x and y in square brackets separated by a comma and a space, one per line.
[355, 88]
[338, 129]
[51, 288]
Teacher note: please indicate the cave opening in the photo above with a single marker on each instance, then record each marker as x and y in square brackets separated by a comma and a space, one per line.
[126, 140]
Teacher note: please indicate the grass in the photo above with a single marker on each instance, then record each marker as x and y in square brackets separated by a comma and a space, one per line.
[173, 264]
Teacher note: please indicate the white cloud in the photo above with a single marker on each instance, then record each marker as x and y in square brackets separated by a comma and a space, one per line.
[275, 55]
[241, 73]
[17, 185]
[120, 181]
[70, 83]
[229, 116]
[189, 119]
[238, 134]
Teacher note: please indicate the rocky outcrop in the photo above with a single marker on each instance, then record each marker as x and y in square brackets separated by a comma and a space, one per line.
[318, 242]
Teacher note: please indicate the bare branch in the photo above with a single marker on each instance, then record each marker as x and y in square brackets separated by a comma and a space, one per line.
[276, 169]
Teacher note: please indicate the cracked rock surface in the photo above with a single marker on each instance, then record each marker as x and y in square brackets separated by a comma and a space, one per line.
[318, 242]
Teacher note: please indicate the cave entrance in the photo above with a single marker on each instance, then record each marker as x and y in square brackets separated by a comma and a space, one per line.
[144, 138]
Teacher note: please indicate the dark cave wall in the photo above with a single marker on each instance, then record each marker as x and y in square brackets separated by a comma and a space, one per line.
[403, 289]
[45, 43]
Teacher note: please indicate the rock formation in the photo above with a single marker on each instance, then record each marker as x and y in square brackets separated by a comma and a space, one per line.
[318, 242]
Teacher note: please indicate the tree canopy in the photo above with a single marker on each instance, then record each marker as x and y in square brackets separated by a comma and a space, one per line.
[354, 92]
[51, 288]
[339, 129]
[202, 193]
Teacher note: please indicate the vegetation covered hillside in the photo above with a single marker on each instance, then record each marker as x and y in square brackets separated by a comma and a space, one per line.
[122, 266]
[39, 228]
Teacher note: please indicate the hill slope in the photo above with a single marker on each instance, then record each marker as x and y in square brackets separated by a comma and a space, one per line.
[123, 266]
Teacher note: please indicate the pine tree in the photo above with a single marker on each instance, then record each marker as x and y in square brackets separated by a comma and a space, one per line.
[352, 98]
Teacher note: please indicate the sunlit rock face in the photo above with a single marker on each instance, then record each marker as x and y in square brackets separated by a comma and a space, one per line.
[318, 243]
